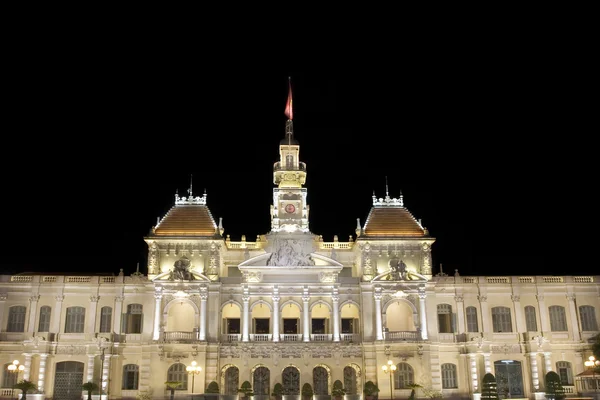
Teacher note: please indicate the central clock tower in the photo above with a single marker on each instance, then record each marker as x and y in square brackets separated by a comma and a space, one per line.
[289, 212]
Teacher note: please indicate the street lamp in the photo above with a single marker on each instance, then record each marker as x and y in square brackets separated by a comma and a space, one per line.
[593, 364]
[15, 368]
[390, 368]
[193, 370]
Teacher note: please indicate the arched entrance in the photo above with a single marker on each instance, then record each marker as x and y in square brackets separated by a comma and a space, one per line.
[509, 377]
[261, 385]
[291, 381]
[350, 380]
[68, 380]
[232, 380]
[320, 381]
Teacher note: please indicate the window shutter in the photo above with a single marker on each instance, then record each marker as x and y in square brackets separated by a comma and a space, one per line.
[454, 323]
[124, 323]
[355, 328]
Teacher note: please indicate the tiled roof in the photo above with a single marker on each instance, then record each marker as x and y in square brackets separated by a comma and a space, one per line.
[392, 222]
[187, 220]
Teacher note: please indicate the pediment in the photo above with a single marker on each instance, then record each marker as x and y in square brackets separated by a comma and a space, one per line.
[168, 277]
[318, 261]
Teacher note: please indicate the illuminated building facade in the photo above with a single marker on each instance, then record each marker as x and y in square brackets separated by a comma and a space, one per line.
[289, 308]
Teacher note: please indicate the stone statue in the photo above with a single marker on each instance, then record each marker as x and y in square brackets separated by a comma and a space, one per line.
[181, 270]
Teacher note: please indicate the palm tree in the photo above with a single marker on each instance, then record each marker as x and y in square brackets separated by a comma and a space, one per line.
[89, 387]
[172, 385]
[25, 386]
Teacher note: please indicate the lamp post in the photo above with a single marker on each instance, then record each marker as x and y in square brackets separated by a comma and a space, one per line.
[593, 364]
[193, 370]
[390, 368]
[15, 368]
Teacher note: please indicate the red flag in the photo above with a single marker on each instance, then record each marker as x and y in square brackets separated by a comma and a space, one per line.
[288, 105]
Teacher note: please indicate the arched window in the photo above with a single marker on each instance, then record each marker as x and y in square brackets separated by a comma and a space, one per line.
[472, 325]
[130, 377]
[74, 323]
[444, 312]
[563, 369]
[261, 381]
[10, 378]
[588, 318]
[105, 319]
[44, 322]
[403, 376]
[501, 319]
[133, 318]
[16, 319]
[449, 376]
[558, 319]
[530, 319]
[177, 373]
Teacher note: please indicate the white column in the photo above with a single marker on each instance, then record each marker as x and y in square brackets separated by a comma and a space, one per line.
[157, 314]
[306, 314]
[423, 312]
[27, 365]
[276, 299]
[518, 314]
[460, 314]
[246, 316]
[535, 377]
[486, 363]
[3, 297]
[473, 370]
[548, 361]
[543, 311]
[105, 372]
[377, 295]
[91, 316]
[574, 319]
[203, 316]
[335, 297]
[56, 315]
[485, 314]
[42, 372]
[33, 301]
[90, 368]
[117, 316]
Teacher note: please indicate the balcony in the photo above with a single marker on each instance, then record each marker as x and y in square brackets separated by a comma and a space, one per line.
[231, 337]
[260, 337]
[350, 337]
[278, 166]
[402, 336]
[290, 337]
[180, 337]
[321, 337]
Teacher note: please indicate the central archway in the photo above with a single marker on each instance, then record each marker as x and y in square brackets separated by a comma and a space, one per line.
[68, 380]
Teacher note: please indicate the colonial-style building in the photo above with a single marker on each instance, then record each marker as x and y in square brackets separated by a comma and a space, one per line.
[290, 308]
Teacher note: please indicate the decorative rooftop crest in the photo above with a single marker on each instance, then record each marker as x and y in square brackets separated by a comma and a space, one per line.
[388, 201]
[190, 200]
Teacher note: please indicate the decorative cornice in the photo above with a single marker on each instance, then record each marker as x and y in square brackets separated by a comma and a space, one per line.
[388, 201]
[190, 200]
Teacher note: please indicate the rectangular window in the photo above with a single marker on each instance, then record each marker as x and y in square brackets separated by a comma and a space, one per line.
[134, 318]
[233, 326]
[261, 325]
[290, 326]
[105, 319]
[444, 313]
[472, 325]
[347, 325]
[318, 325]
[588, 318]
[44, 322]
[16, 319]
[501, 319]
[75, 320]
[558, 319]
[130, 377]
[530, 319]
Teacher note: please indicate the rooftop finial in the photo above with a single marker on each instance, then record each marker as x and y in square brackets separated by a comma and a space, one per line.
[288, 105]
[387, 193]
[190, 189]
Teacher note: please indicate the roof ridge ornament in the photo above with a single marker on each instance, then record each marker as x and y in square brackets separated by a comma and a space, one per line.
[388, 201]
[199, 200]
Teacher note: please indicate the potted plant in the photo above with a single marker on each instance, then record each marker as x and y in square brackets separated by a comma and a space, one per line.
[171, 386]
[246, 389]
[277, 391]
[25, 386]
[338, 391]
[370, 390]
[489, 387]
[554, 389]
[212, 390]
[89, 387]
[307, 391]
[413, 393]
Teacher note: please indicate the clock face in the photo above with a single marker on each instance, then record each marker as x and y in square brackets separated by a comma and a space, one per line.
[290, 208]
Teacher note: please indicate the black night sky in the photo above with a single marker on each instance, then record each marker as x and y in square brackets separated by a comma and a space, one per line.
[94, 155]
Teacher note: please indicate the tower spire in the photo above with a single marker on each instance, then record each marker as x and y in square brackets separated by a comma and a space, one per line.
[190, 189]
[289, 112]
[387, 192]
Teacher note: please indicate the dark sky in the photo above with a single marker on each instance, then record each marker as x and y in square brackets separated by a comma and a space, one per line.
[478, 146]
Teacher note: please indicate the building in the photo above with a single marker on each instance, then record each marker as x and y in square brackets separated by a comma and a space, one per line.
[289, 308]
